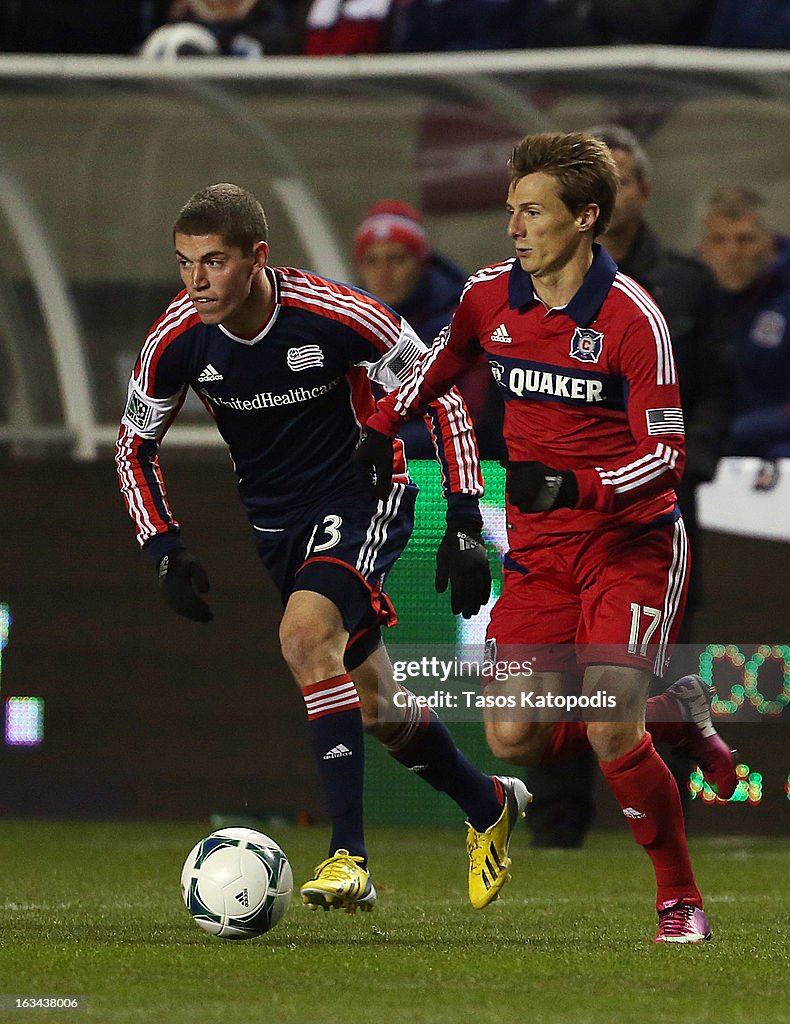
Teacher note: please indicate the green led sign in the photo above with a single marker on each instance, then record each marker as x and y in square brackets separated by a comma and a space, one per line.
[749, 788]
[749, 666]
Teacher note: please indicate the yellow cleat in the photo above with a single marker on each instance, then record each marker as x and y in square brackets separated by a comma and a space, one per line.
[488, 851]
[340, 883]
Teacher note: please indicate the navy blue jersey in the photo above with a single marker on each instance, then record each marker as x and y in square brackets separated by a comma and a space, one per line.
[288, 402]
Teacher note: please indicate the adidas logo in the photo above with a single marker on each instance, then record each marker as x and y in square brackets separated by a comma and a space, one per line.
[493, 867]
[209, 374]
[341, 750]
[501, 335]
[243, 898]
[632, 812]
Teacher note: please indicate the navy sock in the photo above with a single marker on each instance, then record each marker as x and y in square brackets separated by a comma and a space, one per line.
[425, 746]
[335, 725]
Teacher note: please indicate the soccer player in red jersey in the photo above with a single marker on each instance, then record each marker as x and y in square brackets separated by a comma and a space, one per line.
[595, 578]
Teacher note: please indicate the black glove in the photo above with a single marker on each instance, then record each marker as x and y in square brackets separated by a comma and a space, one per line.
[533, 487]
[182, 578]
[373, 456]
[462, 560]
[702, 456]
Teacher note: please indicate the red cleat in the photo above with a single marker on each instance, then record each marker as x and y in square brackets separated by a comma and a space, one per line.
[682, 922]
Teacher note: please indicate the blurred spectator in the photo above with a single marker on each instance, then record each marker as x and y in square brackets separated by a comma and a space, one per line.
[347, 26]
[752, 265]
[692, 303]
[425, 25]
[750, 25]
[687, 294]
[396, 263]
[237, 28]
[66, 26]
[398, 266]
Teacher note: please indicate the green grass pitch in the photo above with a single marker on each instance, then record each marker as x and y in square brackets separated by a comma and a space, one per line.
[94, 910]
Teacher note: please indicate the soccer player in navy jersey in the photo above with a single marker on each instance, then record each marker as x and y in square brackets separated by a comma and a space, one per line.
[595, 578]
[282, 359]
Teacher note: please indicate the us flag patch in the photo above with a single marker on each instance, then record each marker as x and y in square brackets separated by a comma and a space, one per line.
[665, 421]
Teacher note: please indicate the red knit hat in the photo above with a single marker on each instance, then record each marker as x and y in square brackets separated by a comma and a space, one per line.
[391, 220]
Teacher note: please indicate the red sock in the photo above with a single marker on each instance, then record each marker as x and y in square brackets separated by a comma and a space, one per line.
[664, 719]
[567, 739]
[648, 795]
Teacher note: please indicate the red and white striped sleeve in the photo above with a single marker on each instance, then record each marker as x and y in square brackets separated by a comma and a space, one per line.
[154, 398]
[432, 376]
[655, 416]
[446, 416]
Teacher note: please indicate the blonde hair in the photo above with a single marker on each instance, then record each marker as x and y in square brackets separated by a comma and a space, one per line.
[734, 202]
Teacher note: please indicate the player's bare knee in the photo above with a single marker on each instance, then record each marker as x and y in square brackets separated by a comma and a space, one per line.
[611, 740]
[377, 689]
[304, 647]
[374, 715]
[514, 742]
[627, 686]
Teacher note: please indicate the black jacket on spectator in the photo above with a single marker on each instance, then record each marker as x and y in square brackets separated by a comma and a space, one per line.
[692, 304]
[687, 295]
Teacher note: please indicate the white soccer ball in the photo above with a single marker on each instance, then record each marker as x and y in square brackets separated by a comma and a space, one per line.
[237, 883]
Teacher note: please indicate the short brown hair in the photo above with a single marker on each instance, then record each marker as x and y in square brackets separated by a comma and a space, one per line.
[226, 210]
[733, 202]
[583, 166]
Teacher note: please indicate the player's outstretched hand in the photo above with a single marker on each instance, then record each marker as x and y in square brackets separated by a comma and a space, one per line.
[534, 487]
[182, 578]
[462, 561]
[373, 456]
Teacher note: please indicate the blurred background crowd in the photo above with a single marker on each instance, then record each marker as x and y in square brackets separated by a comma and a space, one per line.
[255, 28]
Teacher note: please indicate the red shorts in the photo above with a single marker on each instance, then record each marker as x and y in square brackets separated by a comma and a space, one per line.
[607, 597]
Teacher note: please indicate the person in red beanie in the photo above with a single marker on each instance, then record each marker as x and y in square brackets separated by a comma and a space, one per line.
[395, 262]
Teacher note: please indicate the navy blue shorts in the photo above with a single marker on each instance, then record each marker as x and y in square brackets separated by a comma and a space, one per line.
[343, 547]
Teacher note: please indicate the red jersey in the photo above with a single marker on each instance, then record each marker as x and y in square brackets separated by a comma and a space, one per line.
[590, 387]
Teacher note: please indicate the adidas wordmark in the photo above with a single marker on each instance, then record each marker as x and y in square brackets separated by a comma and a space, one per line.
[341, 750]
